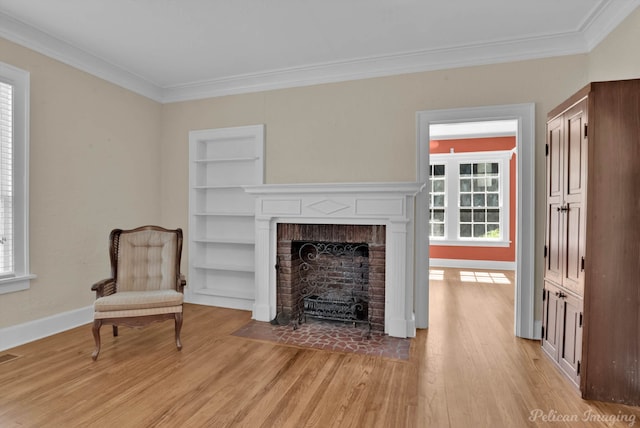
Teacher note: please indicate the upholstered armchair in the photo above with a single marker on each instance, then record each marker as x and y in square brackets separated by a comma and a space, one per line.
[145, 285]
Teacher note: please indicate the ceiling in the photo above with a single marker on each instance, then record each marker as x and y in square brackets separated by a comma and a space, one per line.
[171, 50]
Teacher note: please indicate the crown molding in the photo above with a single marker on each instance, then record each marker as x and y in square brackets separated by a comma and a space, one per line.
[381, 66]
[605, 19]
[595, 28]
[46, 44]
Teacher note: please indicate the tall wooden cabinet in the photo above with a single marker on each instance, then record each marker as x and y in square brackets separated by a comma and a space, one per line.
[591, 297]
[566, 188]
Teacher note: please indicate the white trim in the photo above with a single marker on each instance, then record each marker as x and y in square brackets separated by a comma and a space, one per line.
[20, 334]
[452, 162]
[380, 66]
[470, 243]
[524, 300]
[15, 283]
[44, 43]
[600, 22]
[20, 80]
[603, 20]
[473, 264]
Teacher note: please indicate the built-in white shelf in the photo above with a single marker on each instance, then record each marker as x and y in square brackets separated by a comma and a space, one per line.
[222, 215]
[236, 241]
[239, 159]
[230, 267]
[226, 293]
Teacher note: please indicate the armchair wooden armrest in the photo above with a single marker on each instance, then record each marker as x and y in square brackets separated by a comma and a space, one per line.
[182, 282]
[105, 287]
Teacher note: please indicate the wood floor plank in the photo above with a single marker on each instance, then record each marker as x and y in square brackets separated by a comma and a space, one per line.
[466, 370]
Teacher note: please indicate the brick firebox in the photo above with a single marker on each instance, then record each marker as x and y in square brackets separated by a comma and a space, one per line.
[288, 260]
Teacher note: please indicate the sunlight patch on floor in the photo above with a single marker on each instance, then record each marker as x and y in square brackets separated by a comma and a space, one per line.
[436, 274]
[485, 277]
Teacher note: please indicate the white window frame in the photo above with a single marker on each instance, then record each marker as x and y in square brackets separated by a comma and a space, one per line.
[21, 278]
[452, 163]
[431, 194]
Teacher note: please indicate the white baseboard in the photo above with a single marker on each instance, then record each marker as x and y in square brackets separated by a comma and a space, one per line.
[472, 264]
[220, 301]
[20, 334]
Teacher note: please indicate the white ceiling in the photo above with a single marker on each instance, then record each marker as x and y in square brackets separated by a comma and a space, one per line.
[173, 50]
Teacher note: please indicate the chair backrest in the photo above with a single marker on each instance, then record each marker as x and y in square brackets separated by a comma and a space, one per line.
[146, 258]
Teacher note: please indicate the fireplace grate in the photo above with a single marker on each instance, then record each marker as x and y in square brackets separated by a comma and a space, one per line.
[335, 309]
[334, 282]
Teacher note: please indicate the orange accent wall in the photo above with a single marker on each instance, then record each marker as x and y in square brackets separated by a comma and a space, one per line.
[504, 254]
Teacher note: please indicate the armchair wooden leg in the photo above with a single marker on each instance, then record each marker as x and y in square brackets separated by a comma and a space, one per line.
[96, 336]
[178, 317]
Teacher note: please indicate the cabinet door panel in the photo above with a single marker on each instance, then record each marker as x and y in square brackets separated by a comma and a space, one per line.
[550, 311]
[554, 159]
[569, 352]
[554, 195]
[574, 276]
[554, 243]
[575, 151]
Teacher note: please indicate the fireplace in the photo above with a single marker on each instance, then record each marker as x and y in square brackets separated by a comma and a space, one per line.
[331, 271]
[386, 209]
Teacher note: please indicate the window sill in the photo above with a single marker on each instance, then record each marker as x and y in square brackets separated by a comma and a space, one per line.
[468, 243]
[15, 283]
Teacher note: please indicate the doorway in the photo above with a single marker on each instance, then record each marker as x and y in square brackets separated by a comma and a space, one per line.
[523, 116]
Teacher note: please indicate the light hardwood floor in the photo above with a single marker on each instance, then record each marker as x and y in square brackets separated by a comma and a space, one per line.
[466, 370]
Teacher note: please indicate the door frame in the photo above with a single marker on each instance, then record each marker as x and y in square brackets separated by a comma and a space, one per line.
[525, 324]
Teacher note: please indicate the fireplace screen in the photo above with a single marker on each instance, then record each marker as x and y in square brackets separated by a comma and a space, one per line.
[333, 282]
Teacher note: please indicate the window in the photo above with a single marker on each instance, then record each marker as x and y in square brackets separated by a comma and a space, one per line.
[469, 198]
[14, 150]
[436, 200]
[479, 185]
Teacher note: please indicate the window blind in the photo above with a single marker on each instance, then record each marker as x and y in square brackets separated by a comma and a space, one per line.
[6, 179]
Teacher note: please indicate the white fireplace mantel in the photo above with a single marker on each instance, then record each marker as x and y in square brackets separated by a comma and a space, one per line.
[389, 204]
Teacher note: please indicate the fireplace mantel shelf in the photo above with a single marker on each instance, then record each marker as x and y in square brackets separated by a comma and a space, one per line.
[408, 188]
[390, 204]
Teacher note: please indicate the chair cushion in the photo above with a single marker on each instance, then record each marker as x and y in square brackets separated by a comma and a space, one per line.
[130, 300]
[147, 260]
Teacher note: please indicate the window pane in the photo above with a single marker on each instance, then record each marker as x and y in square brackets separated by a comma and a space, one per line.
[438, 170]
[493, 216]
[465, 230]
[438, 186]
[479, 216]
[465, 169]
[437, 230]
[493, 200]
[438, 215]
[479, 185]
[465, 185]
[465, 200]
[465, 216]
[479, 200]
[479, 230]
[494, 168]
[492, 184]
[493, 231]
[438, 200]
